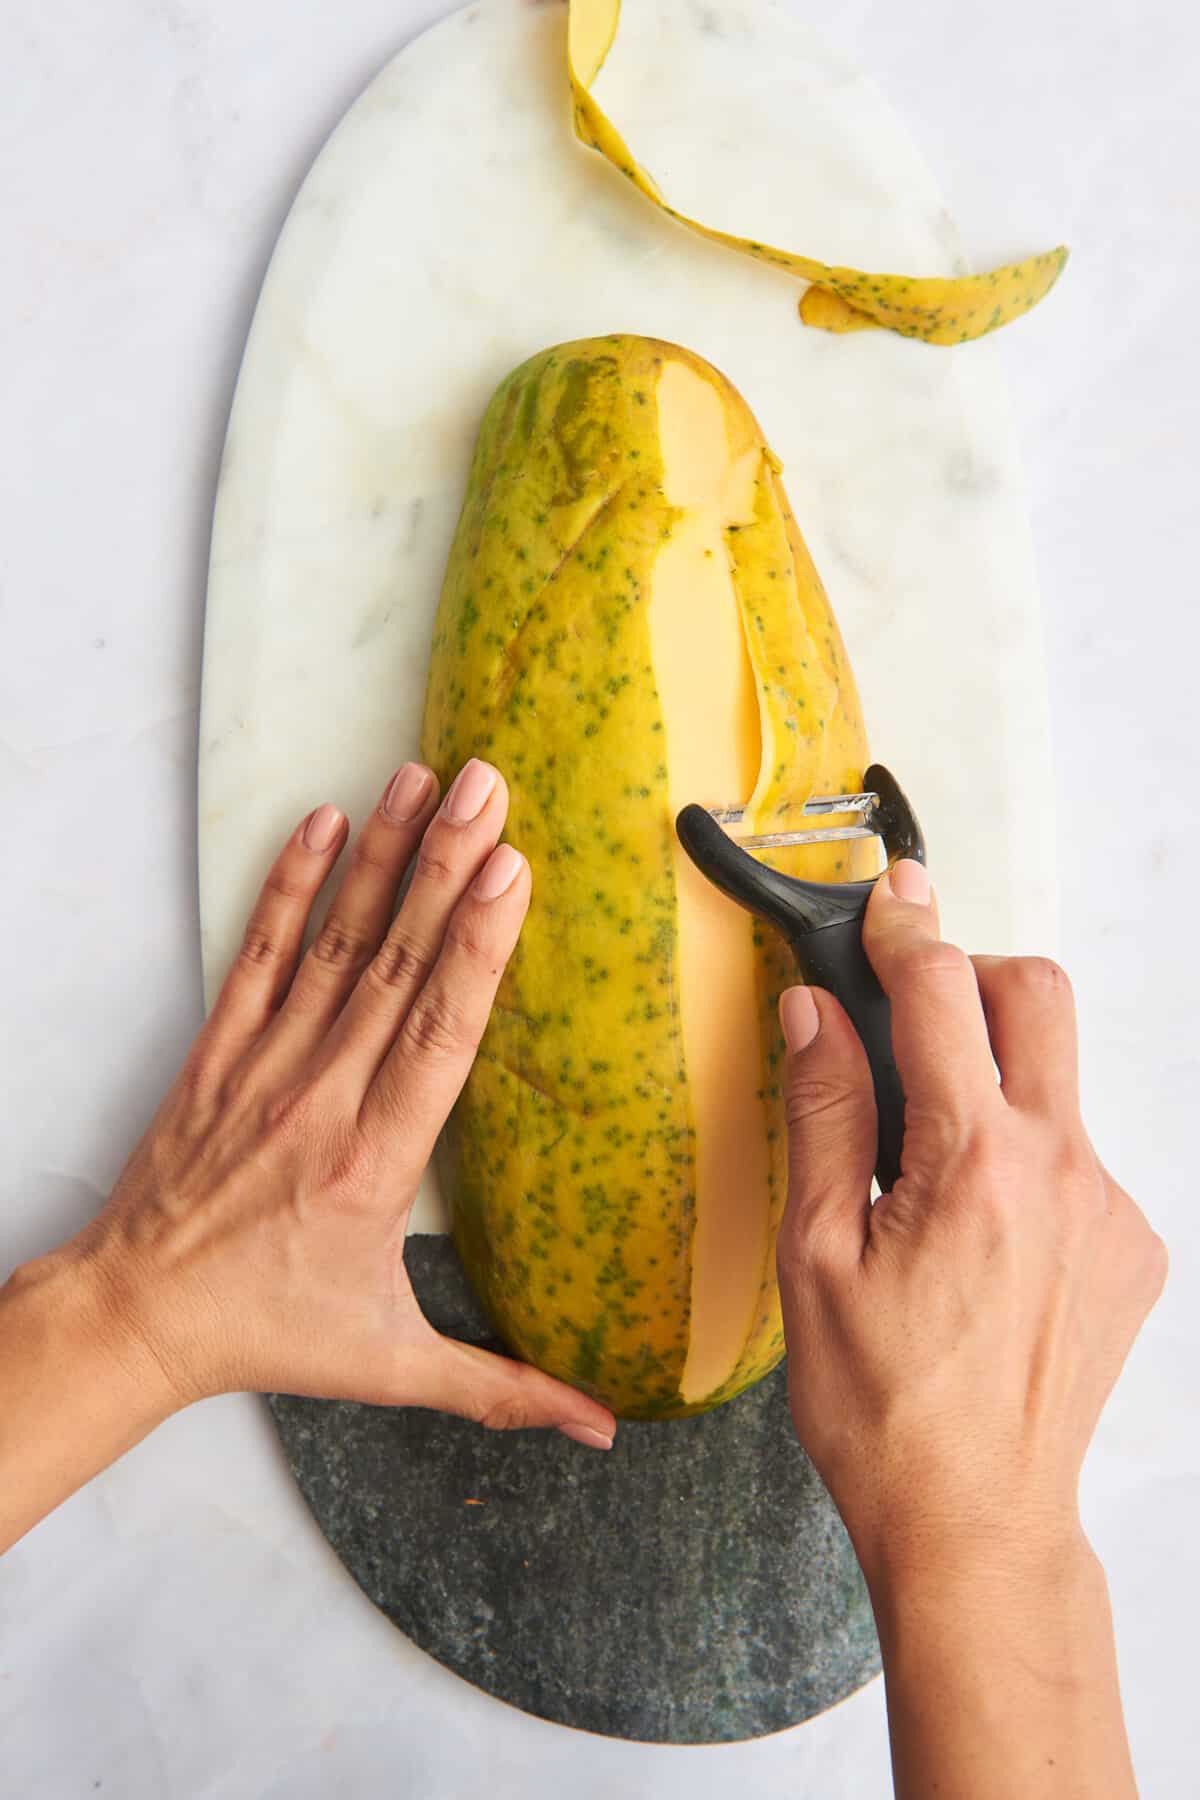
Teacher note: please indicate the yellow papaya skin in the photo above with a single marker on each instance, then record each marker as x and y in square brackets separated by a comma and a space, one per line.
[568, 1161]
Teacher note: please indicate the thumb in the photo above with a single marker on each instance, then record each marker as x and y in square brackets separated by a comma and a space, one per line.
[831, 1130]
[500, 1393]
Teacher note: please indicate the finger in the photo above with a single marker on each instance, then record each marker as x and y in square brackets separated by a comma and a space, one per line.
[939, 1033]
[1030, 1012]
[457, 843]
[831, 1133]
[266, 962]
[423, 1073]
[502, 1394]
[360, 914]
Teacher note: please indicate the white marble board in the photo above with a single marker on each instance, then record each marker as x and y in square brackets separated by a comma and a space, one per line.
[451, 227]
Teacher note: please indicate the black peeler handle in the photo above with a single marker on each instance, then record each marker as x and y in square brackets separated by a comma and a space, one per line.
[823, 921]
[833, 957]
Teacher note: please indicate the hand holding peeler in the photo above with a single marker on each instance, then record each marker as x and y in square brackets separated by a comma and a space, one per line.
[822, 920]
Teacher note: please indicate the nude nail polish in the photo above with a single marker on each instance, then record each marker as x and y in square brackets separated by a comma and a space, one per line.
[910, 881]
[320, 833]
[409, 790]
[499, 872]
[799, 1017]
[587, 1434]
[470, 792]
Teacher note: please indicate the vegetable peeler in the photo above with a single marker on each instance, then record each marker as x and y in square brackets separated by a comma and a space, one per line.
[822, 920]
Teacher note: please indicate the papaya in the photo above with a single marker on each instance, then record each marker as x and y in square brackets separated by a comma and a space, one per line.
[630, 621]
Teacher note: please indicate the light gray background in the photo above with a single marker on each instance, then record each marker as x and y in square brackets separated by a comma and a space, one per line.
[179, 1629]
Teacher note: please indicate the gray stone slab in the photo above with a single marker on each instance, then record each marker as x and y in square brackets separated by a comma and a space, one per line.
[695, 1585]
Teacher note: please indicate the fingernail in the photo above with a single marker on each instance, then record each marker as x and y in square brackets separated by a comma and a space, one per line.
[499, 872]
[910, 881]
[799, 1017]
[468, 796]
[408, 792]
[322, 828]
[587, 1434]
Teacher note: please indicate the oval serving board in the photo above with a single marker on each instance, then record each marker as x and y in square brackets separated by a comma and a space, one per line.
[695, 1585]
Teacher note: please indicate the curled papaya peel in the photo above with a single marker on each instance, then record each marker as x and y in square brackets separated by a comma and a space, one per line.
[630, 621]
[936, 309]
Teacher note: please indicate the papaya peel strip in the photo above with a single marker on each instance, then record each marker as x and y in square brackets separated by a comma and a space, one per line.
[936, 309]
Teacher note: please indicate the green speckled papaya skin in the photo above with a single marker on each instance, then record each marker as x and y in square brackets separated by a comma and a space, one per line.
[568, 1160]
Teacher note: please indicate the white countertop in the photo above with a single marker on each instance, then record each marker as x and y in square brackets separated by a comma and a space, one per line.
[180, 1629]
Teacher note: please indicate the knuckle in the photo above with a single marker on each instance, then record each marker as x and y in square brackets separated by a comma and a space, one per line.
[806, 1241]
[195, 1099]
[369, 853]
[346, 1159]
[234, 1087]
[1158, 1261]
[1144, 1249]
[509, 1413]
[468, 940]
[401, 962]
[433, 864]
[1065, 1158]
[933, 959]
[287, 1112]
[437, 1026]
[285, 886]
[1038, 974]
[954, 1132]
[1078, 1174]
[811, 1095]
[991, 1167]
[198, 1075]
[259, 948]
[339, 947]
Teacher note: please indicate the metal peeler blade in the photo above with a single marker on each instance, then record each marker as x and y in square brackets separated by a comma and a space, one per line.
[882, 808]
[822, 920]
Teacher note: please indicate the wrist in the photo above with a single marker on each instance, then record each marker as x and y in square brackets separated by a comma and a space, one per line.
[1021, 1555]
[997, 1584]
[999, 1665]
[77, 1386]
[72, 1299]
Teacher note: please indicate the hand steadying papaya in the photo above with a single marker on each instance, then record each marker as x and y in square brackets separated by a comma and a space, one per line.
[255, 1238]
[950, 1350]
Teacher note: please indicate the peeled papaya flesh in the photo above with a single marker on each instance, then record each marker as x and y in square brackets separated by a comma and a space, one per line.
[629, 622]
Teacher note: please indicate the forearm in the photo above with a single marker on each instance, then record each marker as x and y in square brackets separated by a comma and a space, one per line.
[1001, 1679]
[76, 1391]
